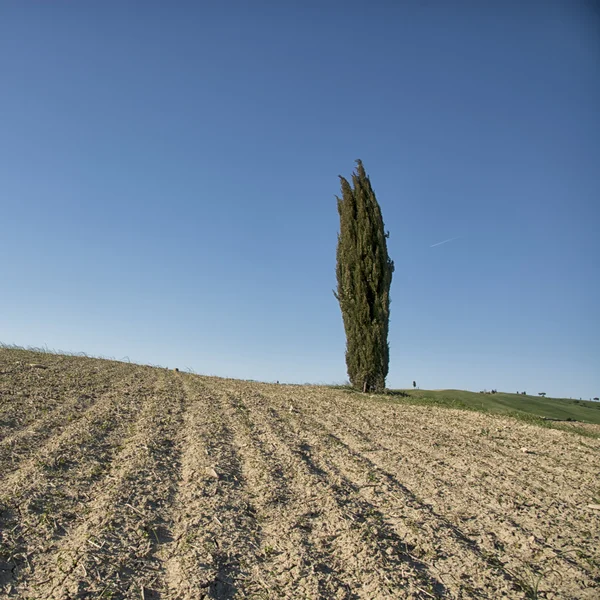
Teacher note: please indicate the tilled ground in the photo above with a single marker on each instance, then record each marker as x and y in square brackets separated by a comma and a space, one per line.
[124, 481]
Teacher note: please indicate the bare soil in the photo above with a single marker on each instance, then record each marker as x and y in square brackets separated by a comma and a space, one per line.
[126, 481]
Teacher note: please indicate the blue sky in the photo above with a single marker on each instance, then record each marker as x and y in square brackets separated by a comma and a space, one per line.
[168, 174]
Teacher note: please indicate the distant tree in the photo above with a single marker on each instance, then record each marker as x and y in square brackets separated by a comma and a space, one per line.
[543, 394]
[364, 276]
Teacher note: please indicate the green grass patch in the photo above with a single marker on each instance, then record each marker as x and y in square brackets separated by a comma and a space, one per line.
[510, 404]
[553, 413]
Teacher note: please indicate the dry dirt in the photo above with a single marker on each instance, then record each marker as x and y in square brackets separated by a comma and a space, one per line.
[125, 481]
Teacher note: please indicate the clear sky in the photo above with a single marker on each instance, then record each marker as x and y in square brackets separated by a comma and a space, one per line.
[168, 173]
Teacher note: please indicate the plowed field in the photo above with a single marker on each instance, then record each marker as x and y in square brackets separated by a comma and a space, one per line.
[126, 481]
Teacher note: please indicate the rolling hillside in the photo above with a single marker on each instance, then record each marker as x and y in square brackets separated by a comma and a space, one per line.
[126, 481]
[508, 404]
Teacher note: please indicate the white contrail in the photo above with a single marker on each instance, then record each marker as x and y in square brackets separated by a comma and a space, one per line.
[444, 242]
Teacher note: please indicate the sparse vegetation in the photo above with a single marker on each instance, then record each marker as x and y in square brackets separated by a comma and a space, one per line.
[549, 412]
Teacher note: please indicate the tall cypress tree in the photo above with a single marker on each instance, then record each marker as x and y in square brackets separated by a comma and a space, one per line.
[364, 276]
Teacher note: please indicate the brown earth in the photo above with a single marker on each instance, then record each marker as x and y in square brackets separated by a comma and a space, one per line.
[126, 481]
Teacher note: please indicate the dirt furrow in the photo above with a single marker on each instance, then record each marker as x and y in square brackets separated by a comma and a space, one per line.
[435, 467]
[122, 481]
[40, 502]
[490, 534]
[287, 564]
[466, 433]
[361, 556]
[507, 515]
[54, 416]
[111, 550]
[474, 462]
[516, 519]
[447, 549]
[215, 532]
[29, 394]
[463, 433]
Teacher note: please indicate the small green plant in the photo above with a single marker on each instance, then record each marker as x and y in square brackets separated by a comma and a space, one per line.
[531, 578]
[107, 592]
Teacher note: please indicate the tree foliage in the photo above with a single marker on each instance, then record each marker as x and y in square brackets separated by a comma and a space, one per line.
[364, 276]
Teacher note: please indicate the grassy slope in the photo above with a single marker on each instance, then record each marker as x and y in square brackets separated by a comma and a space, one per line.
[513, 404]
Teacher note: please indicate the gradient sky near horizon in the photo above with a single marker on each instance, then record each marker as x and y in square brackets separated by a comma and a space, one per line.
[168, 173]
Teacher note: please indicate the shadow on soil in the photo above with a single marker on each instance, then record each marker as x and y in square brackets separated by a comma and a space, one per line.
[414, 500]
